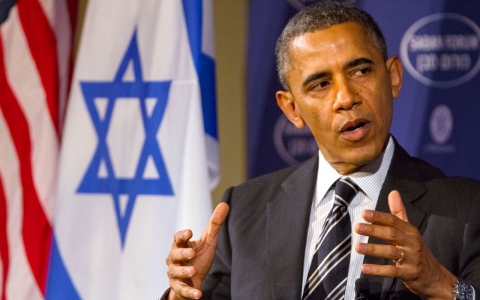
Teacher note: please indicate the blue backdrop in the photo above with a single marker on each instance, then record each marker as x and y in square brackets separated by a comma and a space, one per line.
[436, 115]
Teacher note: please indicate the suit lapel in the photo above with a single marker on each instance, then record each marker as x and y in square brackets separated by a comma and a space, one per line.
[287, 220]
[403, 176]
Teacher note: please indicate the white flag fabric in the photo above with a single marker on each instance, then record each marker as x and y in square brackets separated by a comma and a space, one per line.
[36, 39]
[139, 151]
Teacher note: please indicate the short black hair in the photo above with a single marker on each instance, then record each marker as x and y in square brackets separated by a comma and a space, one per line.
[319, 16]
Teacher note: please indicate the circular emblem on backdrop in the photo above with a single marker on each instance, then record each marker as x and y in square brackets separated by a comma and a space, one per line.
[293, 145]
[446, 59]
[301, 4]
[441, 124]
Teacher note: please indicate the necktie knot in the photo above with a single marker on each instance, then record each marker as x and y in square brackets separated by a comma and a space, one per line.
[345, 191]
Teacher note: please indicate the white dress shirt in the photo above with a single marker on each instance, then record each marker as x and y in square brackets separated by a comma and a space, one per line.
[370, 181]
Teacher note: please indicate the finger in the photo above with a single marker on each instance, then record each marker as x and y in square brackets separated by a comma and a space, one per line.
[181, 238]
[384, 251]
[387, 233]
[181, 290]
[385, 219]
[396, 206]
[181, 272]
[180, 255]
[216, 220]
[384, 270]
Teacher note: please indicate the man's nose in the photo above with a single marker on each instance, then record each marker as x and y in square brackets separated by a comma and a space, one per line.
[346, 96]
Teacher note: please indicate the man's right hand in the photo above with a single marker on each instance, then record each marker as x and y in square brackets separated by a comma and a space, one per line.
[189, 261]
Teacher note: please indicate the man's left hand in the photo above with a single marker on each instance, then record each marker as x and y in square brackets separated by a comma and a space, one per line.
[418, 269]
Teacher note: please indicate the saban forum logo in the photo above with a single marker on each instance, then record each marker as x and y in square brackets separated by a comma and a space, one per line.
[442, 50]
[293, 145]
[440, 126]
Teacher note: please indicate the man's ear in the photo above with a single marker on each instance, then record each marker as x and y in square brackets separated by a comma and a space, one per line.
[287, 104]
[395, 70]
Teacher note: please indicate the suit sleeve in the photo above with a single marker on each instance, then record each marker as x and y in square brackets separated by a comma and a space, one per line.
[470, 257]
[217, 283]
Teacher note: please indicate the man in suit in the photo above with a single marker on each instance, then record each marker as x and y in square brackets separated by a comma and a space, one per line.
[414, 231]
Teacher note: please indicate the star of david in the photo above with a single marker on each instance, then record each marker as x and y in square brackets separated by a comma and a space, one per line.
[100, 177]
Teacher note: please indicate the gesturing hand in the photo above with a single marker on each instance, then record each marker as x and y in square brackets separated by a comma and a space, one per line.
[418, 269]
[189, 261]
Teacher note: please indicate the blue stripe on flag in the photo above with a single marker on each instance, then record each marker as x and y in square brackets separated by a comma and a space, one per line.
[204, 65]
[59, 284]
[5, 7]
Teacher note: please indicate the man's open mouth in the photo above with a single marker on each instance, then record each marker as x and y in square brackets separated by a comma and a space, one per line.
[354, 125]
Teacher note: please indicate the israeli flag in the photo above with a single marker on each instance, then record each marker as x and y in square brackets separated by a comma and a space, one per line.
[139, 151]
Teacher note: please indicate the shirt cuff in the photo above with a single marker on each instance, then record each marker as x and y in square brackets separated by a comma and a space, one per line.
[165, 295]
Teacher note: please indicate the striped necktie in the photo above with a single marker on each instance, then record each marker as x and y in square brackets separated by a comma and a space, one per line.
[327, 276]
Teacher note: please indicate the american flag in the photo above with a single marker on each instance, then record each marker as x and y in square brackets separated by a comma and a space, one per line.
[36, 39]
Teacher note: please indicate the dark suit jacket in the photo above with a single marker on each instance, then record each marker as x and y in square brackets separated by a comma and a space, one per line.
[261, 246]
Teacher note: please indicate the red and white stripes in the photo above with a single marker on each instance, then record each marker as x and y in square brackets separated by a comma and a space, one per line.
[35, 66]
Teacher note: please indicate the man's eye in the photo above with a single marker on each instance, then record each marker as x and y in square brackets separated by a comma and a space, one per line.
[362, 71]
[322, 84]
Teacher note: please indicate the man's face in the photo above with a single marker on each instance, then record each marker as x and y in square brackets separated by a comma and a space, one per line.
[341, 87]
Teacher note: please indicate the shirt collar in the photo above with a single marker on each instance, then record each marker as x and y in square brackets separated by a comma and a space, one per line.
[370, 178]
